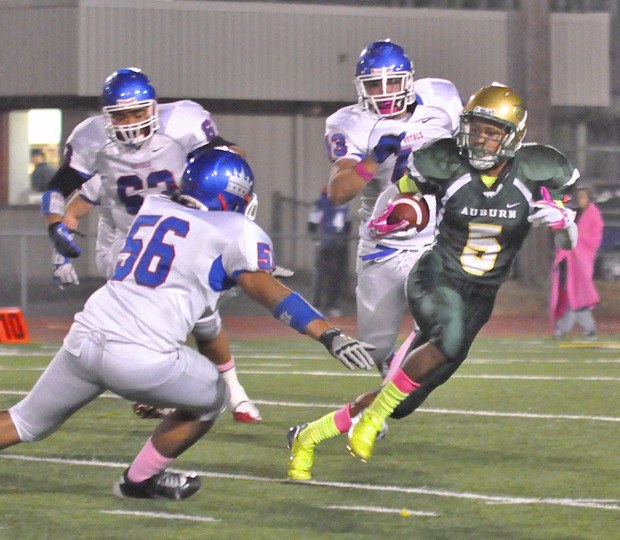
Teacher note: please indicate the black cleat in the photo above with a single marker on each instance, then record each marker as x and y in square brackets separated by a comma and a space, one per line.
[292, 434]
[165, 485]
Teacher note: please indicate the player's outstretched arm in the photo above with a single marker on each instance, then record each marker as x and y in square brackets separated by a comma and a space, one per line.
[345, 182]
[65, 247]
[77, 208]
[64, 182]
[292, 309]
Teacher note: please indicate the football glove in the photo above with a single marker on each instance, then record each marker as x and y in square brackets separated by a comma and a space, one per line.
[349, 351]
[281, 272]
[549, 213]
[64, 273]
[387, 145]
[379, 226]
[62, 238]
[148, 412]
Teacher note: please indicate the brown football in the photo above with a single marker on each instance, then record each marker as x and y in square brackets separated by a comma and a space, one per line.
[411, 207]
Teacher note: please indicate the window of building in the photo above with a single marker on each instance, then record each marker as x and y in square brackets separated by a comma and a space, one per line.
[34, 153]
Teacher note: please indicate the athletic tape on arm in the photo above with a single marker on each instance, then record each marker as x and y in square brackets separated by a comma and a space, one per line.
[295, 311]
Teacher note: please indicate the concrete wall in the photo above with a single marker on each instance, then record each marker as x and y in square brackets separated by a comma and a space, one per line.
[263, 51]
[270, 52]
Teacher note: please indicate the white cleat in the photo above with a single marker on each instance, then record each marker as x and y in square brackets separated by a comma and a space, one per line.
[246, 412]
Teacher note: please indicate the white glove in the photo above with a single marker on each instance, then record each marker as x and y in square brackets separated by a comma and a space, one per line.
[349, 351]
[550, 213]
[281, 272]
[64, 273]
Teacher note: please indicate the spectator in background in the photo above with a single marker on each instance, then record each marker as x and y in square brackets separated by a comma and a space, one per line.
[42, 172]
[331, 224]
[573, 294]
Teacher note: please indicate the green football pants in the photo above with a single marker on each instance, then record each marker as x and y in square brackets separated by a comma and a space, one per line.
[450, 313]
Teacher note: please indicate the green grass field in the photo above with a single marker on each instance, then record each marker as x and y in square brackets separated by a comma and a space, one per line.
[522, 443]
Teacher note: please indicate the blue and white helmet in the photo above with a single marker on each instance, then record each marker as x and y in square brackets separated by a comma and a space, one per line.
[125, 90]
[219, 180]
[384, 64]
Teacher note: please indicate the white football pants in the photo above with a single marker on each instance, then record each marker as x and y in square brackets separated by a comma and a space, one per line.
[382, 301]
[180, 379]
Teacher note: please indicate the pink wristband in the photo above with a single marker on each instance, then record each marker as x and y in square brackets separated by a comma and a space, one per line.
[363, 172]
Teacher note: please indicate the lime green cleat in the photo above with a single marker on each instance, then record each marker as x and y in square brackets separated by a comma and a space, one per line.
[302, 456]
[362, 438]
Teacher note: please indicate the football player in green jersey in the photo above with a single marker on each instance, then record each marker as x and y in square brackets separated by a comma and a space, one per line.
[489, 188]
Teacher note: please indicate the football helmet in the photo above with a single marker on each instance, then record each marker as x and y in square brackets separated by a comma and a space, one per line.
[129, 89]
[384, 79]
[503, 112]
[220, 180]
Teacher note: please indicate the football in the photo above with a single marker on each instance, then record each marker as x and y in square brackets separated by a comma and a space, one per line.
[411, 207]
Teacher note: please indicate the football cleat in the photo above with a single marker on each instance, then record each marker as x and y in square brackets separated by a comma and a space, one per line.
[302, 456]
[165, 485]
[246, 412]
[382, 432]
[362, 438]
[293, 432]
[148, 412]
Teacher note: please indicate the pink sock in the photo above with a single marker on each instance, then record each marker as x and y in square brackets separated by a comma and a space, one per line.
[402, 381]
[342, 418]
[227, 366]
[398, 358]
[147, 463]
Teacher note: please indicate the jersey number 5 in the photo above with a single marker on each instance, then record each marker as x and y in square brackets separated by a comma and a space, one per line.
[480, 253]
[150, 264]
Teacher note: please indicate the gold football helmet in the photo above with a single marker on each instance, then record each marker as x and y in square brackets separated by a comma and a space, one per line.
[492, 126]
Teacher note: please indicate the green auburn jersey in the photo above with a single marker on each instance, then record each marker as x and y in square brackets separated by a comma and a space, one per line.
[480, 229]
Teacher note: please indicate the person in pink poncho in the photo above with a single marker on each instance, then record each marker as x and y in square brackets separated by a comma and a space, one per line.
[573, 294]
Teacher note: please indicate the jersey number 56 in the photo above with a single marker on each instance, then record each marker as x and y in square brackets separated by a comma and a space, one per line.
[151, 264]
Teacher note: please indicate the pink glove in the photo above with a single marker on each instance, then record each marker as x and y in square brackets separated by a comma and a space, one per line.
[380, 227]
[550, 213]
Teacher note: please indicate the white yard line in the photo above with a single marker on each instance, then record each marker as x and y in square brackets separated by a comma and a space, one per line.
[500, 361]
[456, 411]
[241, 369]
[405, 512]
[160, 515]
[534, 377]
[462, 412]
[21, 368]
[612, 504]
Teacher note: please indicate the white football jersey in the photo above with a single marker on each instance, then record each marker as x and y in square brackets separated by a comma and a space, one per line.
[440, 93]
[127, 175]
[352, 132]
[175, 264]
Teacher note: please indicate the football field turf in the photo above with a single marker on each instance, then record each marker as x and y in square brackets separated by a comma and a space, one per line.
[522, 443]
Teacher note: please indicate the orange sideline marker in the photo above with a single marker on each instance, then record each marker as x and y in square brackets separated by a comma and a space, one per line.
[13, 327]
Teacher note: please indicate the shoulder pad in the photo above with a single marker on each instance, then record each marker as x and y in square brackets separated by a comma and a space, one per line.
[440, 93]
[344, 119]
[541, 163]
[433, 115]
[440, 159]
[178, 113]
[188, 123]
[89, 133]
